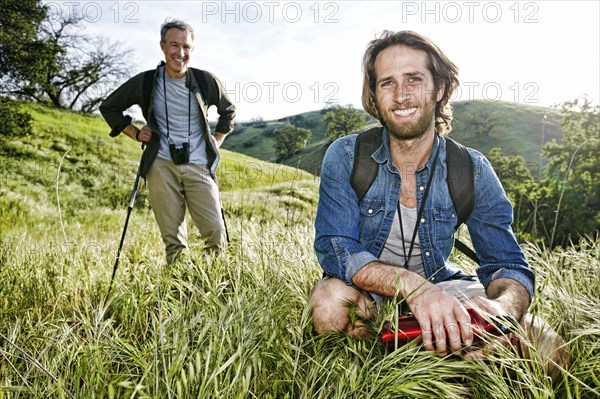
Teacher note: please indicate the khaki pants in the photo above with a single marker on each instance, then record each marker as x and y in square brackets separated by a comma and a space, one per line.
[171, 187]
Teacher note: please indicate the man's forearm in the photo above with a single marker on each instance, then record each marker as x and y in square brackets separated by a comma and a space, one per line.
[219, 138]
[131, 130]
[387, 280]
[513, 297]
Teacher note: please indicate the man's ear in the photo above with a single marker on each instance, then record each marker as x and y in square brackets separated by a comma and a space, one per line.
[162, 45]
[440, 92]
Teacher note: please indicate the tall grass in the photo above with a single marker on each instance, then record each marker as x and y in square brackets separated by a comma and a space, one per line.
[234, 325]
[237, 326]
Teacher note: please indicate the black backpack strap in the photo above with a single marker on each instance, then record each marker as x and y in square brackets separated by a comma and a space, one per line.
[365, 169]
[149, 80]
[460, 179]
[461, 185]
[201, 79]
[462, 247]
[147, 88]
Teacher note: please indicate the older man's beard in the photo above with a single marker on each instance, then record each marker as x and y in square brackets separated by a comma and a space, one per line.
[411, 130]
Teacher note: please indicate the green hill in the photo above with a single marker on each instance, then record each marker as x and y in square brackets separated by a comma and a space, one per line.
[71, 163]
[516, 128]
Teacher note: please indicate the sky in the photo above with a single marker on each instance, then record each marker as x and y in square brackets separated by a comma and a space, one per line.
[281, 58]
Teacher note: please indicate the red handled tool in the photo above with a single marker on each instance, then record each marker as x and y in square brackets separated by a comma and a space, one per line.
[408, 328]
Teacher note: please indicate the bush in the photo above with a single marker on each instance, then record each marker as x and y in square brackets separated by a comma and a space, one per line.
[14, 121]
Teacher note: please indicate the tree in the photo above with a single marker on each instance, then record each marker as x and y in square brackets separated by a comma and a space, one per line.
[343, 121]
[564, 204]
[21, 51]
[290, 140]
[520, 186]
[482, 122]
[573, 173]
[57, 63]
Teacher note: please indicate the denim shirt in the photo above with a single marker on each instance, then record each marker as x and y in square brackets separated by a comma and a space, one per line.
[351, 233]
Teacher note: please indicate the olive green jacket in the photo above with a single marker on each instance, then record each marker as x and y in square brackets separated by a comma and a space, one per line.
[132, 92]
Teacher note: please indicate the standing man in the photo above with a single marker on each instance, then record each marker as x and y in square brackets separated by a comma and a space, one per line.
[180, 161]
[395, 242]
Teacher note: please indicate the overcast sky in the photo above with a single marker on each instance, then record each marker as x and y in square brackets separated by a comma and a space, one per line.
[281, 58]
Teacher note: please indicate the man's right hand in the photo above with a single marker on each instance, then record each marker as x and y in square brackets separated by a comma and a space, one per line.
[145, 134]
[142, 135]
[441, 316]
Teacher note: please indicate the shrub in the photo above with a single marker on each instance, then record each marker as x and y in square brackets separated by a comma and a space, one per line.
[15, 122]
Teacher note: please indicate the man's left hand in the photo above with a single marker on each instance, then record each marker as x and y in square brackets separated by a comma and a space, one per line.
[489, 309]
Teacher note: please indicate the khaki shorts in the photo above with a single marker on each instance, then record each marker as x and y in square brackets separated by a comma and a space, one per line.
[463, 290]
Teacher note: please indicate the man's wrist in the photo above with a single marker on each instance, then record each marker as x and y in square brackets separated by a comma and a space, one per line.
[137, 135]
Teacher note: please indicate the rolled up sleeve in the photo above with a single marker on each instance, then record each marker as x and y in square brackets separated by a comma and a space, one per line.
[225, 108]
[491, 233]
[337, 243]
[114, 106]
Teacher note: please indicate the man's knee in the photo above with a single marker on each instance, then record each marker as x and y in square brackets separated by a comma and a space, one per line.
[336, 306]
[215, 240]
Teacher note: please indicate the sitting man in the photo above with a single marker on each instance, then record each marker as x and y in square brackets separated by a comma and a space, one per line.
[396, 240]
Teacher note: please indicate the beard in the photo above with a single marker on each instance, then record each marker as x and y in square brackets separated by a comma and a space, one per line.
[411, 130]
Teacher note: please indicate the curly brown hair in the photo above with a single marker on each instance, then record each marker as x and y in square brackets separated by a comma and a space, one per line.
[441, 68]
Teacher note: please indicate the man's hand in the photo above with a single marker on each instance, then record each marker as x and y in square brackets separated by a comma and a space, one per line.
[143, 135]
[441, 316]
[507, 297]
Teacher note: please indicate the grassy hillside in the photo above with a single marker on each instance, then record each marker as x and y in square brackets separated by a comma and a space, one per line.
[70, 161]
[519, 132]
[520, 128]
[234, 325]
[256, 138]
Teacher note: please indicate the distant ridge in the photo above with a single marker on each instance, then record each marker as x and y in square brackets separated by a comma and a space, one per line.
[517, 130]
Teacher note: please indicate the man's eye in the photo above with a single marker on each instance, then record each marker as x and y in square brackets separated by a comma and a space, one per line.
[386, 83]
[414, 79]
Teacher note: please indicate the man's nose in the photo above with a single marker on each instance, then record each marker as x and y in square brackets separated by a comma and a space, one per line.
[402, 93]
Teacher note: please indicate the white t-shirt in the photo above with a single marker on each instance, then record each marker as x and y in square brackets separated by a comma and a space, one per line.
[184, 118]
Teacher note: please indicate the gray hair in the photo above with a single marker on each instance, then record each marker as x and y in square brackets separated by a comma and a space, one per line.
[175, 23]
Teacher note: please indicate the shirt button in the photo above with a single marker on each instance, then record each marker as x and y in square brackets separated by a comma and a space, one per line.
[422, 220]
[427, 253]
[421, 188]
[370, 211]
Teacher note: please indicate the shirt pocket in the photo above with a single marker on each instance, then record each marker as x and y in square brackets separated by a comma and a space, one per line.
[372, 212]
[444, 221]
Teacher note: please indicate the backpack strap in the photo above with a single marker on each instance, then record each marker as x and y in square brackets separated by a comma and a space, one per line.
[149, 80]
[147, 88]
[460, 176]
[365, 169]
[460, 179]
[461, 185]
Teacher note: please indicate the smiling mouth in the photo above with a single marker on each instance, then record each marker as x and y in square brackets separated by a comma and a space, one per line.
[405, 111]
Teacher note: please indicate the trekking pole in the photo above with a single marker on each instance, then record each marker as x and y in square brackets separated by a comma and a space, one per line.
[129, 209]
